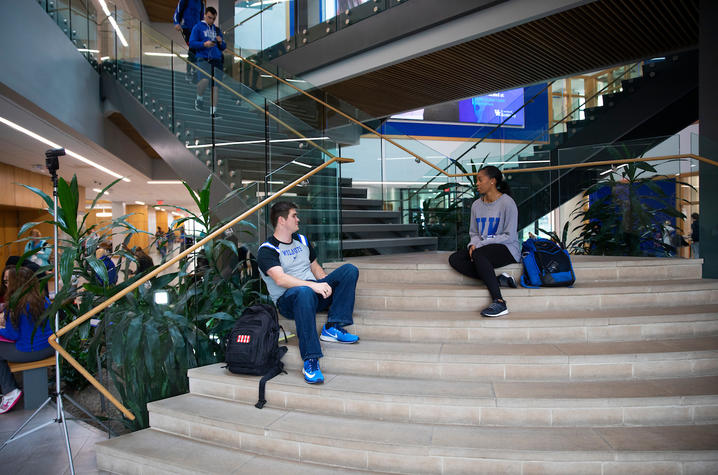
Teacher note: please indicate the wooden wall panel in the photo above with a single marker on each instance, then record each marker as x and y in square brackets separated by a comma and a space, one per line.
[139, 220]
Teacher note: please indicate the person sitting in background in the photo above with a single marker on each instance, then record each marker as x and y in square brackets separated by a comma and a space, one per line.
[144, 262]
[41, 257]
[24, 340]
[104, 251]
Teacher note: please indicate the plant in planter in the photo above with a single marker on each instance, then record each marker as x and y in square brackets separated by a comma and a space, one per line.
[222, 284]
[84, 280]
[625, 216]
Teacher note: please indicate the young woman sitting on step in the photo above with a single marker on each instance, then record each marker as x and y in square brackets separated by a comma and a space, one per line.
[494, 238]
[18, 323]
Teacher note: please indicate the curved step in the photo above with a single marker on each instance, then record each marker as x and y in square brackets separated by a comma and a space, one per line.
[154, 451]
[537, 404]
[482, 362]
[583, 296]
[433, 268]
[413, 448]
[567, 326]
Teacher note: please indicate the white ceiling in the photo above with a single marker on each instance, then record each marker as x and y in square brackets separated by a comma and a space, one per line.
[23, 151]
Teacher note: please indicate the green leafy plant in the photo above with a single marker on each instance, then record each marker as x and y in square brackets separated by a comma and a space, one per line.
[627, 215]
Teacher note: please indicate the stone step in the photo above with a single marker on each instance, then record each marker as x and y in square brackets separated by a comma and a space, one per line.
[414, 448]
[567, 326]
[153, 451]
[482, 362]
[583, 296]
[537, 404]
[433, 268]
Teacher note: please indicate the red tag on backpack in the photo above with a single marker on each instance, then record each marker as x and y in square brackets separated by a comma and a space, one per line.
[243, 338]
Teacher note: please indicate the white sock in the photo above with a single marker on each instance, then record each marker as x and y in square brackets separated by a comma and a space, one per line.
[213, 109]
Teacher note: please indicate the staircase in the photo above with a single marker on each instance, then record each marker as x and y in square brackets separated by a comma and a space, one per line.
[661, 102]
[616, 375]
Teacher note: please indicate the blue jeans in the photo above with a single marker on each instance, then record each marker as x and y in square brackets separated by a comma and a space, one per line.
[301, 304]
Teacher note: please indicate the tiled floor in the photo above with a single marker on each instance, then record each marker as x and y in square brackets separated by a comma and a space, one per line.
[44, 452]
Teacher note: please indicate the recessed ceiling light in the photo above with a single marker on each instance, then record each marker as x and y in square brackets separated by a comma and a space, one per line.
[42, 139]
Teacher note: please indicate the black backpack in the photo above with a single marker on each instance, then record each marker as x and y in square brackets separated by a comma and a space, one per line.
[253, 346]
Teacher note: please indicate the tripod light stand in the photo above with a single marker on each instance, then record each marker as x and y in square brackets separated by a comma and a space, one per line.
[52, 163]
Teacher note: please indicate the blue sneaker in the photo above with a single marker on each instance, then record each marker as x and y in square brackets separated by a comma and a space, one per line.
[312, 373]
[337, 335]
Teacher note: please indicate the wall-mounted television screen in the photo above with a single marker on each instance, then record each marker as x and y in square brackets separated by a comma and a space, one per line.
[493, 109]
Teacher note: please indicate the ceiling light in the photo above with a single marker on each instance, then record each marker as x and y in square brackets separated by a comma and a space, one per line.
[113, 23]
[164, 55]
[104, 215]
[164, 182]
[85, 50]
[104, 58]
[97, 190]
[140, 203]
[42, 139]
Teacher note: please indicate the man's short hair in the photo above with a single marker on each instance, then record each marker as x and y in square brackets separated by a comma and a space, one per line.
[211, 10]
[281, 208]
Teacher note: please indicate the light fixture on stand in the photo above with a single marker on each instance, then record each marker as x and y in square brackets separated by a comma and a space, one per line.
[53, 164]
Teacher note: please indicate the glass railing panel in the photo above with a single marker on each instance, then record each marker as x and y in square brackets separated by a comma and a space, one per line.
[318, 201]
[640, 209]
[129, 71]
[157, 76]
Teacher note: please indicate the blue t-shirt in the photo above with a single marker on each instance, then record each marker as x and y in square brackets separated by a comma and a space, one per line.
[23, 336]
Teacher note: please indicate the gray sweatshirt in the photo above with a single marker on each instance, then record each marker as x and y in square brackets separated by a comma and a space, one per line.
[495, 223]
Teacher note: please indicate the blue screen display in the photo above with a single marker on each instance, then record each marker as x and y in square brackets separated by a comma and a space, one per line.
[494, 108]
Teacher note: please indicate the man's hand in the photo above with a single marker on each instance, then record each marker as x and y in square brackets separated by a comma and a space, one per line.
[178, 27]
[208, 44]
[322, 288]
[472, 248]
[219, 40]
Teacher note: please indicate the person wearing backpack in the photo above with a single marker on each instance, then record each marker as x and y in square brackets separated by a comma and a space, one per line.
[299, 287]
[494, 238]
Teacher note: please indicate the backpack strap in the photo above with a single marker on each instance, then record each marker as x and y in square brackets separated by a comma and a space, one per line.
[276, 369]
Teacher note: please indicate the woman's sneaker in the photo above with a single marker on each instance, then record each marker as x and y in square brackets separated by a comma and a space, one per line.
[312, 373]
[337, 335]
[506, 280]
[496, 309]
[9, 400]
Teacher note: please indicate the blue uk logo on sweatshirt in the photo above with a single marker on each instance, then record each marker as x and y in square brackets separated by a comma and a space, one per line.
[493, 225]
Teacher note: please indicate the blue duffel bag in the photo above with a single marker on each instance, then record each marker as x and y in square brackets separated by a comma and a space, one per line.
[546, 264]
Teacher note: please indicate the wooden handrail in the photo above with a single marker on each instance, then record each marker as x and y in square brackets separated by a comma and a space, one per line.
[316, 99]
[83, 318]
[601, 163]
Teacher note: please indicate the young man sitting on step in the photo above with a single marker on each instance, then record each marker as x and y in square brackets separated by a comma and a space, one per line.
[299, 287]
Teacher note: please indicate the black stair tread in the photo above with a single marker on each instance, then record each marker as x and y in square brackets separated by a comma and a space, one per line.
[388, 242]
[354, 192]
[364, 202]
[351, 228]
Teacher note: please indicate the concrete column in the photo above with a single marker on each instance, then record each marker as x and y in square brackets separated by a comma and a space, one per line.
[708, 117]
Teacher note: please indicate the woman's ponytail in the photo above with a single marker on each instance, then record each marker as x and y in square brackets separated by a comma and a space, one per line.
[501, 184]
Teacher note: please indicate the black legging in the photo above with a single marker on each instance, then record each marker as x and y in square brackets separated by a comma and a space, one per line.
[8, 352]
[486, 259]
